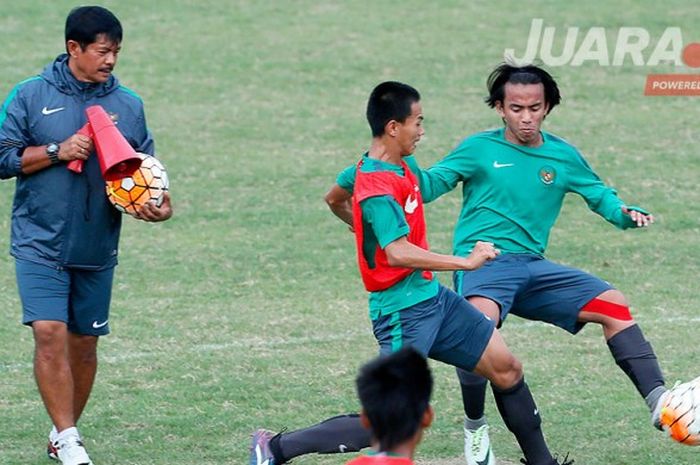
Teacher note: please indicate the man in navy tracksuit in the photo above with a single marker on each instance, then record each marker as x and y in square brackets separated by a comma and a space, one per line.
[65, 234]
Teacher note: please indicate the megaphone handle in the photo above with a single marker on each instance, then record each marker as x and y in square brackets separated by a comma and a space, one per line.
[76, 166]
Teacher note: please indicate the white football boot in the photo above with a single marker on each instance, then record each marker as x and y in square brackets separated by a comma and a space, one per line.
[477, 446]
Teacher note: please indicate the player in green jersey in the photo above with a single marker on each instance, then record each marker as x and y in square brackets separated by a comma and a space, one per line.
[514, 180]
[408, 307]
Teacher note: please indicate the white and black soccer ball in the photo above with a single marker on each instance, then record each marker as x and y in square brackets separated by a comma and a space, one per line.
[680, 413]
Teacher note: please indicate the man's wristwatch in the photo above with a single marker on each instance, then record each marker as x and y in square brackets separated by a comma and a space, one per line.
[52, 151]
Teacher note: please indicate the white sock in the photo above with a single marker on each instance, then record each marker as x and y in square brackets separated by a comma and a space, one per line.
[68, 432]
[53, 433]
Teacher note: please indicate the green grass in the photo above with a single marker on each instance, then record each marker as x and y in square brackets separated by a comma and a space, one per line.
[245, 310]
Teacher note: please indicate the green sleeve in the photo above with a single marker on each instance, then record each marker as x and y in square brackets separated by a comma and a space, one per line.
[444, 176]
[346, 178]
[600, 198]
[385, 218]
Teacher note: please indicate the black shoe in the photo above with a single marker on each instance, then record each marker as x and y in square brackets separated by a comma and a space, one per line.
[565, 461]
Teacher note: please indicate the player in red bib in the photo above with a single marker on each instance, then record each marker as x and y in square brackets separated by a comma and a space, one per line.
[407, 305]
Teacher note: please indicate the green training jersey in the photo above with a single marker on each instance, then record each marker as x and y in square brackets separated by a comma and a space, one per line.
[511, 194]
[384, 222]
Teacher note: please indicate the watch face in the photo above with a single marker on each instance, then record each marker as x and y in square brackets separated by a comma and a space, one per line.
[52, 148]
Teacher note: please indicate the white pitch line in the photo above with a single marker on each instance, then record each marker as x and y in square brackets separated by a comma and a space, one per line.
[250, 343]
[263, 343]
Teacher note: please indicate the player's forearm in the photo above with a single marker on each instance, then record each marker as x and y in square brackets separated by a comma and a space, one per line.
[342, 211]
[340, 203]
[407, 255]
[609, 206]
[600, 198]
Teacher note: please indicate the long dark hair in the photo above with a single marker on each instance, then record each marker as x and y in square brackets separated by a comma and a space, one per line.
[528, 74]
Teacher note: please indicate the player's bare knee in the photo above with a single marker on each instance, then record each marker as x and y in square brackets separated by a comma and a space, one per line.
[515, 373]
[614, 296]
[507, 373]
[609, 309]
[613, 326]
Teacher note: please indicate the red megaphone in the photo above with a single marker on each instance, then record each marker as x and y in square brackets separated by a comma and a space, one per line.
[76, 165]
[117, 158]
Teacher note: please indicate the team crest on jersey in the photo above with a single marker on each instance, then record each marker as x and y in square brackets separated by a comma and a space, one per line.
[547, 174]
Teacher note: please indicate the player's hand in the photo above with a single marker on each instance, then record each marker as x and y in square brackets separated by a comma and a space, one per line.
[480, 254]
[76, 147]
[638, 217]
[151, 213]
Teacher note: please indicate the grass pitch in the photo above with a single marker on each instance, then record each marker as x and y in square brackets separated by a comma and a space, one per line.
[246, 310]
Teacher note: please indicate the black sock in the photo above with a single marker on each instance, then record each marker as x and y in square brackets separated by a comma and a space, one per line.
[520, 414]
[343, 433]
[636, 357]
[473, 393]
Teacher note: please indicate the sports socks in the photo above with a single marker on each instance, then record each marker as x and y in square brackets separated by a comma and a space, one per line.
[473, 425]
[635, 356]
[68, 432]
[520, 414]
[343, 433]
[473, 393]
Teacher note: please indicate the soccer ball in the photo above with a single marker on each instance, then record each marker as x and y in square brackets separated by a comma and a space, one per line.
[148, 183]
[680, 413]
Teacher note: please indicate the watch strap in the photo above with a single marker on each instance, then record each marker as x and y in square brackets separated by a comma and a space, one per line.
[52, 151]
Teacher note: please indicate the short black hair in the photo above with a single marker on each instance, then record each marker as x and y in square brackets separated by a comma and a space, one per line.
[388, 101]
[85, 23]
[526, 74]
[395, 393]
